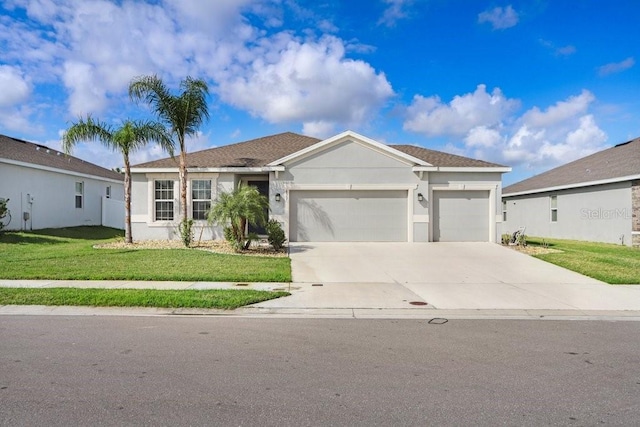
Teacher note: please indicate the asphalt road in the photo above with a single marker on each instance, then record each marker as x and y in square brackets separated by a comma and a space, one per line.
[268, 372]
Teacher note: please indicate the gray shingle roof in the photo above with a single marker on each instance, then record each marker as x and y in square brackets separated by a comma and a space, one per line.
[615, 162]
[262, 151]
[28, 152]
[253, 153]
[438, 158]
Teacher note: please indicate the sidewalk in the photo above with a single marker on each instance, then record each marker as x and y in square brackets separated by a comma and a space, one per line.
[342, 301]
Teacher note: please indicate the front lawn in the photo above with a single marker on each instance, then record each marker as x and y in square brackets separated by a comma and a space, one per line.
[68, 254]
[214, 298]
[610, 263]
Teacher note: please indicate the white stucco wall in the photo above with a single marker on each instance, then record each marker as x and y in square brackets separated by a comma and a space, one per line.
[143, 225]
[600, 213]
[49, 197]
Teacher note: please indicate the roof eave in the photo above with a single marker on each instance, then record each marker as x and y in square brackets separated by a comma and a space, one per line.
[575, 185]
[496, 169]
[60, 170]
[239, 169]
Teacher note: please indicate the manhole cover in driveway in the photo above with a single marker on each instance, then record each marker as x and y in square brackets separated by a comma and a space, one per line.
[418, 303]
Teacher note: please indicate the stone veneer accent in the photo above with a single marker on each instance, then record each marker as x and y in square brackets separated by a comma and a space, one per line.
[635, 215]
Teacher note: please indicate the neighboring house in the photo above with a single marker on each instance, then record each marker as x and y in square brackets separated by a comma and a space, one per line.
[345, 188]
[596, 198]
[49, 189]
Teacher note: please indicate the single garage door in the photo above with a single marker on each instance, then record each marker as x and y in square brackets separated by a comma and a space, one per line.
[461, 216]
[348, 216]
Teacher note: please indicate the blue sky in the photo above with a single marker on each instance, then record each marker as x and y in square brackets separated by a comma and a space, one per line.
[529, 84]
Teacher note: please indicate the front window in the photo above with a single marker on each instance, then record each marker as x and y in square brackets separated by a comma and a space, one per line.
[200, 198]
[164, 200]
[553, 202]
[79, 194]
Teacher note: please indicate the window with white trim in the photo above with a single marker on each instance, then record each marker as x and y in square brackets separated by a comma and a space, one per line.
[504, 211]
[163, 196]
[200, 198]
[553, 202]
[79, 194]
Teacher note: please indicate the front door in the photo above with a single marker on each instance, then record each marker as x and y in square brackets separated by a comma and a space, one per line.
[263, 188]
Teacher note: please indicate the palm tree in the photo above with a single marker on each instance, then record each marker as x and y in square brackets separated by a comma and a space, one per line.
[182, 114]
[129, 137]
[243, 205]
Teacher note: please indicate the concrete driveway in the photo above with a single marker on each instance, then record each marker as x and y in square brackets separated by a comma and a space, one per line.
[444, 275]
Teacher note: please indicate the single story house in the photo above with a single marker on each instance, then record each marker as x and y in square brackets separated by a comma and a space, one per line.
[595, 198]
[345, 188]
[49, 189]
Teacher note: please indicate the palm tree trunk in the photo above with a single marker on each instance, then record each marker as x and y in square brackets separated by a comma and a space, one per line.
[128, 238]
[183, 184]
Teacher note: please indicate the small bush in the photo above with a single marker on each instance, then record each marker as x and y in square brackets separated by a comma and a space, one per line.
[186, 231]
[506, 238]
[4, 211]
[228, 234]
[275, 234]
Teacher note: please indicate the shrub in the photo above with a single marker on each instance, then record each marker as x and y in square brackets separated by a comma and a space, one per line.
[275, 234]
[506, 238]
[228, 234]
[186, 231]
[4, 211]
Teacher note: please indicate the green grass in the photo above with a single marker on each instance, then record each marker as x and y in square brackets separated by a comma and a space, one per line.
[68, 254]
[215, 298]
[614, 264]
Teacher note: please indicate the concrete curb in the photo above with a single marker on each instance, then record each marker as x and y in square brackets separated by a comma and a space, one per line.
[324, 313]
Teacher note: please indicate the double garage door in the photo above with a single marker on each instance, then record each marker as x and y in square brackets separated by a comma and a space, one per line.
[348, 216]
[381, 216]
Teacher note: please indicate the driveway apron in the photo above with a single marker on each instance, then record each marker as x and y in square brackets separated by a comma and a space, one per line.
[445, 275]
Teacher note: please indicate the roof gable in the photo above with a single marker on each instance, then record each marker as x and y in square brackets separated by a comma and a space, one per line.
[345, 137]
[19, 151]
[610, 165]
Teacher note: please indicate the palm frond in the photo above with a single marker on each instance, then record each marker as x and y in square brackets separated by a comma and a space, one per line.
[87, 130]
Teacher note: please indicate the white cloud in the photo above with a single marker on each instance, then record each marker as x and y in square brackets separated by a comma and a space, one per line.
[559, 51]
[483, 136]
[95, 47]
[499, 18]
[319, 129]
[562, 133]
[14, 86]
[616, 67]
[431, 116]
[488, 127]
[566, 50]
[549, 147]
[15, 90]
[289, 80]
[560, 111]
[396, 10]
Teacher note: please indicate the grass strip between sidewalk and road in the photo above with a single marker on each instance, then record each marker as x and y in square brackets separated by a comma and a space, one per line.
[227, 299]
[613, 264]
[68, 254]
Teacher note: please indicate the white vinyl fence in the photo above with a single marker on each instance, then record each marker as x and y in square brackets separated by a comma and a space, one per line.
[113, 213]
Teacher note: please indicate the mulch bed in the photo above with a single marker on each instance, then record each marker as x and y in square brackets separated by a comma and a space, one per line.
[216, 246]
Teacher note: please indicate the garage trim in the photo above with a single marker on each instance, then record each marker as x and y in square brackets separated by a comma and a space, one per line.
[410, 189]
[492, 189]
